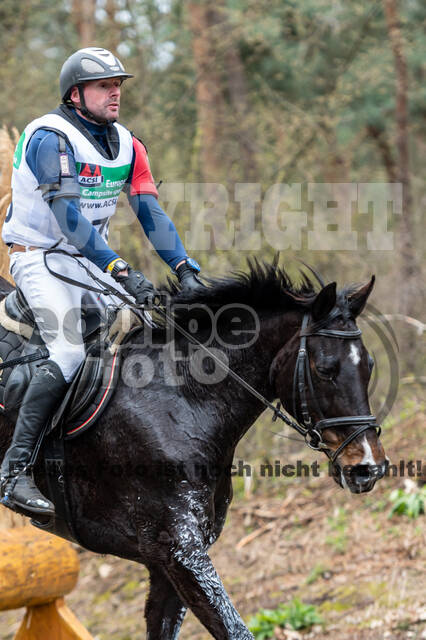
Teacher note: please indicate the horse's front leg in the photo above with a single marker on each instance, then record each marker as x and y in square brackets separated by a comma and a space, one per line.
[164, 611]
[191, 571]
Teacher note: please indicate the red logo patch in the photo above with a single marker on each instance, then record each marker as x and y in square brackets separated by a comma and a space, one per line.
[90, 175]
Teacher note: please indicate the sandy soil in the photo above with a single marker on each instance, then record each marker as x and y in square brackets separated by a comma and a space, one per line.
[366, 572]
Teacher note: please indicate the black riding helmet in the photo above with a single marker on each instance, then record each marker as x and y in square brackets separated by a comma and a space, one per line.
[92, 63]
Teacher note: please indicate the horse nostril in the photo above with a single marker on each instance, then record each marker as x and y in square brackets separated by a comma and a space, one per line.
[361, 474]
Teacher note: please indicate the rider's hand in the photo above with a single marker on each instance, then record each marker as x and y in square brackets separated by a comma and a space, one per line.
[188, 276]
[138, 286]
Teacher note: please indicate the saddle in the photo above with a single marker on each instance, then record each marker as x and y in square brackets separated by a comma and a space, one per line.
[94, 383]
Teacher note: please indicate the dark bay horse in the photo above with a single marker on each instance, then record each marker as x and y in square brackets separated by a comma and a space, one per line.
[151, 482]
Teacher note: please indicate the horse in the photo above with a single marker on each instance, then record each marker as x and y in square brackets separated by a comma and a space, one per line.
[152, 482]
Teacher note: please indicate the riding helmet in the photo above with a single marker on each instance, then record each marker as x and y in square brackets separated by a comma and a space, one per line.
[91, 63]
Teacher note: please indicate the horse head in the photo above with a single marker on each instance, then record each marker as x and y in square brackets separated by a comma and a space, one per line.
[321, 376]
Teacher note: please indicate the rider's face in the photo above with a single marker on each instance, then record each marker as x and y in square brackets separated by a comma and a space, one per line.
[102, 97]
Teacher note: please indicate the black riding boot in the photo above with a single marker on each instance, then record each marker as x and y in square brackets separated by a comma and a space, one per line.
[44, 394]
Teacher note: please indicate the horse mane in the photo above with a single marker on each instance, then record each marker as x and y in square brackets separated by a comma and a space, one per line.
[265, 287]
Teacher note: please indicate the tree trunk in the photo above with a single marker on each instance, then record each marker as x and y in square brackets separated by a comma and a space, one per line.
[406, 246]
[385, 151]
[240, 104]
[83, 14]
[209, 91]
[220, 72]
[113, 31]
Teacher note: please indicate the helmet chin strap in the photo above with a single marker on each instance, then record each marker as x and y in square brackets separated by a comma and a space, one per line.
[85, 111]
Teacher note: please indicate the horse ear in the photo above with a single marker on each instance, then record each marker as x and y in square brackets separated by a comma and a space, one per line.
[324, 302]
[358, 298]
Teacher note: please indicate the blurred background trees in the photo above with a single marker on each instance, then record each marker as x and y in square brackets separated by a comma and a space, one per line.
[252, 91]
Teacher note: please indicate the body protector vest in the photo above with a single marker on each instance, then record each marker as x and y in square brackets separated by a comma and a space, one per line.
[30, 221]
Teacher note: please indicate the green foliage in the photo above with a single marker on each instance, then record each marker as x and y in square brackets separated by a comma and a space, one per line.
[295, 614]
[411, 504]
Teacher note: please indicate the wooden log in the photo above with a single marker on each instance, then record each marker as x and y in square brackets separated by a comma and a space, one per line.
[52, 621]
[35, 568]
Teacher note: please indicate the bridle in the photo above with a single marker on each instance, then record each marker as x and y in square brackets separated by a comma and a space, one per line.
[312, 433]
[302, 382]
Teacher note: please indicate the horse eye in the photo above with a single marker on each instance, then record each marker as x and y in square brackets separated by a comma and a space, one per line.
[326, 366]
[370, 363]
[325, 372]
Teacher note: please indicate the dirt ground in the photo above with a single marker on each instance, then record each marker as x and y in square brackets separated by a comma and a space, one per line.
[304, 537]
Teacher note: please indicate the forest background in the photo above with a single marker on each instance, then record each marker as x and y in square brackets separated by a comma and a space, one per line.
[256, 93]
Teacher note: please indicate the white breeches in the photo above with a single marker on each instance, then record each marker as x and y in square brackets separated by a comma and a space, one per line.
[57, 305]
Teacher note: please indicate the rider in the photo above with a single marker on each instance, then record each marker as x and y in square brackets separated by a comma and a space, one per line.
[69, 168]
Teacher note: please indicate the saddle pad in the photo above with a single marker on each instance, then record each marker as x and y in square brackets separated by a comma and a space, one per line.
[89, 393]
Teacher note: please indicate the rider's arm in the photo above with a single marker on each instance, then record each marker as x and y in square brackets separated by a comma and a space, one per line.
[142, 195]
[42, 157]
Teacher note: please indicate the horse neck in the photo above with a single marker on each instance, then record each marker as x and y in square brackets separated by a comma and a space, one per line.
[253, 364]
[224, 408]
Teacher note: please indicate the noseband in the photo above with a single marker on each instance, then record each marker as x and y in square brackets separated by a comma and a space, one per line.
[302, 381]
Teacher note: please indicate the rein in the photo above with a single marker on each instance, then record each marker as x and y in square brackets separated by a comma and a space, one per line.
[312, 434]
[106, 288]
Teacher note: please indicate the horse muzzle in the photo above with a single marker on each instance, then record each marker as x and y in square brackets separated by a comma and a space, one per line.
[359, 478]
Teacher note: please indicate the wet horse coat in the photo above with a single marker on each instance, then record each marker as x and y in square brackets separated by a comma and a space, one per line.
[151, 482]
